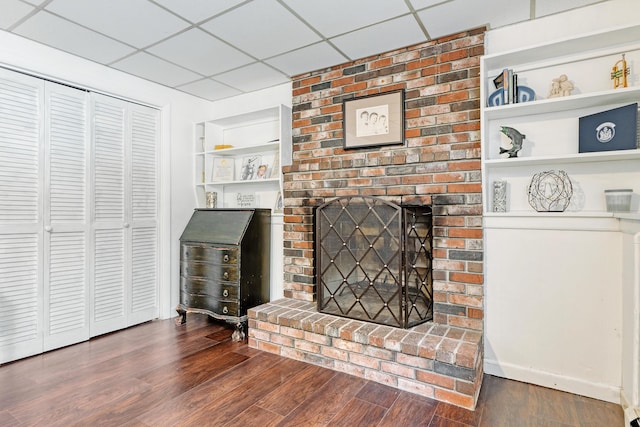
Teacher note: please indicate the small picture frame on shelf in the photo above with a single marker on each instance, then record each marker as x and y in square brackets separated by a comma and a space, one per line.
[249, 168]
[222, 170]
[262, 172]
[246, 200]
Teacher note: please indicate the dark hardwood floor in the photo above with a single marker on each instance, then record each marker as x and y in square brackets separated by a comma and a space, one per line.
[163, 374]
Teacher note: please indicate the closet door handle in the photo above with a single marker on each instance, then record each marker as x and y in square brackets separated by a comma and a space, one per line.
[126, 225]
[48, 229]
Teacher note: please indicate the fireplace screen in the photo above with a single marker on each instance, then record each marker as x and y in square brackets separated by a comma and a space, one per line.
[373, 261]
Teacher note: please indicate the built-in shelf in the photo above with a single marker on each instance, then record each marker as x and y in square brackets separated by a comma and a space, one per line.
[573, 102]
[552, 126]
[256, 138]
[603, 156]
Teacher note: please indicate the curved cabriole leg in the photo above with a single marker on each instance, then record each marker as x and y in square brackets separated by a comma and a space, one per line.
[238, 334]
[183, 314]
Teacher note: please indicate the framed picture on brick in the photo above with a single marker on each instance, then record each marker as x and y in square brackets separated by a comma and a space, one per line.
[374, 120]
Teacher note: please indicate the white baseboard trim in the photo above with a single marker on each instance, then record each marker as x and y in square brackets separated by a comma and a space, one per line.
[630, 413]
[594, 390]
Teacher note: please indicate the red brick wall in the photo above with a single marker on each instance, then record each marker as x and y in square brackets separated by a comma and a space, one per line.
[439, 165]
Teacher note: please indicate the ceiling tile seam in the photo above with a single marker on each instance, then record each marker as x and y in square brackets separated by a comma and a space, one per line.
[418, 20]
[88, 29]
[312, 28]
[227, 43]
[532, 9]
[224, 12]
[28, 16]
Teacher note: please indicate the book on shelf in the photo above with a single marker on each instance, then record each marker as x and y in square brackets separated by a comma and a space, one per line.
[507, 84]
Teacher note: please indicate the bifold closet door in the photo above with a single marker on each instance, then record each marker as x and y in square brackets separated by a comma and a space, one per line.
[125, 278]
[66, 213]
[143, 170]
[21, 248]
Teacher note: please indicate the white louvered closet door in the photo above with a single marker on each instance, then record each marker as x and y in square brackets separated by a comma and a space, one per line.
[20, 216]
[125, 144]
[66, 237]
[109, 293]
[143, 170]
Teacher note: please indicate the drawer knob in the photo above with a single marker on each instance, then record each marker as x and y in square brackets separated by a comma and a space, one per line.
[225, 293]
[226, 275]
[225, 258]
[225, 310]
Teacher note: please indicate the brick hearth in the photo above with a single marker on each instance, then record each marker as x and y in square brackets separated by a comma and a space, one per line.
[431, 360]
[438, 165]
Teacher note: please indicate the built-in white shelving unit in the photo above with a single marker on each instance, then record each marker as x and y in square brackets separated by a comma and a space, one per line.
[239, 158]
[551, 124]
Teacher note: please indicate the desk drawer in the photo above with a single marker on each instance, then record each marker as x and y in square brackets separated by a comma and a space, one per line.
[207, 302]
[213, 272]
[197, 286]
[214, 255]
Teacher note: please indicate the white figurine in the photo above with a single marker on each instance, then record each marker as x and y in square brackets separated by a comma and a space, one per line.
[560, 86]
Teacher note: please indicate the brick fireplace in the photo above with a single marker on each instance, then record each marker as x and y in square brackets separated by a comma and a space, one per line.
[438, 166]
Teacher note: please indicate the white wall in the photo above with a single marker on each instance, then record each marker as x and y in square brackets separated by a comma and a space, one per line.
[553, 308]
[553, 301]
[631, 315]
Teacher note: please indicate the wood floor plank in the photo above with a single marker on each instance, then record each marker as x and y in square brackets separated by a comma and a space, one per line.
[284, 399]
[408, 411]
[553, 405]
[438, 421]
[465, 416]
[595, 413]
[379, 394]
[63, 409]
[194, 369]
[504, 403]
[326, 402]
[226, 398]
[358, 413]
[254, 416]
[7, 420]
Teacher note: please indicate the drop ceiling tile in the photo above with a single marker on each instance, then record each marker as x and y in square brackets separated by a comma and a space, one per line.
[252, 77]
[198, 10]
[380, 38]
[209, 89]
[149, 67]
[471, 14]
[200, 52]
[333, 17]
[12, 12]
[135, 22]
[421, 4]
[59, 33]
[547, 7]
[263, 28]
[310, 58]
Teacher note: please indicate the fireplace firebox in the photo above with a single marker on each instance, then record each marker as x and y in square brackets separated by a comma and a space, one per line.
[374, 261]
